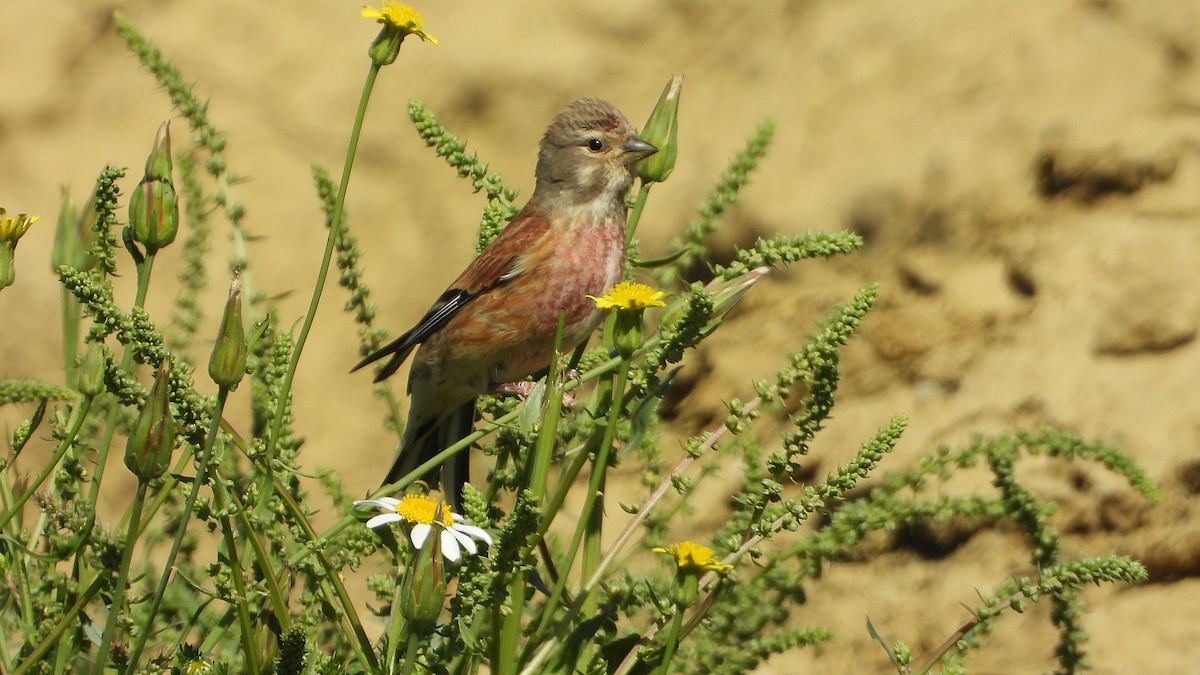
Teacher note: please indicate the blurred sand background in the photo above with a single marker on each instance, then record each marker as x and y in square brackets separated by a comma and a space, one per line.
[1026, 175]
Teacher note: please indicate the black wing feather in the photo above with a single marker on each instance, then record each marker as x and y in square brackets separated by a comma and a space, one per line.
[450, 303]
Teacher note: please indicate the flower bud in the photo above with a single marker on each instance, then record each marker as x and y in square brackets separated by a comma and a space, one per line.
[148, 451]
[11, 231]
[661, 131]
[90, 377]
[153, 205]
[423, 591]
[228, 362]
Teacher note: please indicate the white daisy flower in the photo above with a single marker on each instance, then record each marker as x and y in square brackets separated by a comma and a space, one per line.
[418, 511]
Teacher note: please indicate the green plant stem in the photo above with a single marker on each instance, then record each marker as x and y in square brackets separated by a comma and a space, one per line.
[589, 526]
[69, 619]
[117, 605]
[510, 628]
[338, 595]
[393, 644]
[672, 642]
[275, 592]
[285, 390]
[548, 435]
[635, 214]
[410, 653]
[70, 332]
[622, 539]
[80, 414]
[249, 645]
[189, 506]
[144, 268]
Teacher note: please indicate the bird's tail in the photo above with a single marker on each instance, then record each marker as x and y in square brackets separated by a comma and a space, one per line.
[424, 440]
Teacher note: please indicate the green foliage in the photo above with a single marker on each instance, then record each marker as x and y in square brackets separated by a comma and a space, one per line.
[217, 563]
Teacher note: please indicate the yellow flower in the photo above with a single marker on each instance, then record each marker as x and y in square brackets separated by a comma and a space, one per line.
[12, 229]
[692, 558]
[400, 18]
[628, 295]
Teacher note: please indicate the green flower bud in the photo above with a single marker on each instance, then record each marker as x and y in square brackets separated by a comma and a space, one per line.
[661, 131]
[148, 451]
[90, 377]
[228, 362]
[11, 231]
[153, 205]
[423, 591]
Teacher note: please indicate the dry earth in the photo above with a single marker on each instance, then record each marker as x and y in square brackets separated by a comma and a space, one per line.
[1026, 175]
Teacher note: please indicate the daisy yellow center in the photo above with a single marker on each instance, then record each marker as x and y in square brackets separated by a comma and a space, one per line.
[629, 295]
[417, 509]
[693, 557]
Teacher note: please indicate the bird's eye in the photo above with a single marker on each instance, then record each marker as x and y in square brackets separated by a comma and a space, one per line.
[595, 144]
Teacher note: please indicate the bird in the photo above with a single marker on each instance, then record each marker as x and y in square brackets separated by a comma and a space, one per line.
[496, 323]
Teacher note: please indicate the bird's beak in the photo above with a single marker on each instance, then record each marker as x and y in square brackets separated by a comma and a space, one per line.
[636, 149]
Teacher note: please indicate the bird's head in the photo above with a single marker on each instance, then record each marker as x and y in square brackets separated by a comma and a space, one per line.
[588, 155]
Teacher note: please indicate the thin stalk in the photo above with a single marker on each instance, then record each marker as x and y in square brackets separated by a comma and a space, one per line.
[672, 642]
[410, 654]
[323, 273]
[586, 525]
[249, 645]
[622, 539]
[144, 268]
[548, 435]
[70, 333]
[275, 592]
[118, 595]
[636, 213]
[361, 644]
[393, 645]
[189, 506]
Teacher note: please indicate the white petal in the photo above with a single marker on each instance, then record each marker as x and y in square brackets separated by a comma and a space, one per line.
[383, 503]
[477, 532]
[467, 542]
[384, 519]
[420, 532]
[449, 546]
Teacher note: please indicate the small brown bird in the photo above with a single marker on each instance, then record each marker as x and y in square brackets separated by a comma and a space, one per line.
[496, 323]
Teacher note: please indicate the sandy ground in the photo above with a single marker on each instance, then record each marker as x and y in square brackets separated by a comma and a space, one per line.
[1026, 175]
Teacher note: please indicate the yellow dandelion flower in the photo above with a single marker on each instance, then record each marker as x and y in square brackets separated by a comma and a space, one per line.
[692, 558]
[628, 295]
[400, 18]
[12, 229]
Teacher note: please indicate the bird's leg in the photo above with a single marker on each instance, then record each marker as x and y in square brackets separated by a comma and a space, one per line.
[524, 389]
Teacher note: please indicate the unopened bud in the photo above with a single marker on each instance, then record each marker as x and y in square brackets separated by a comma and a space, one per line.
[148, 451]
[423, 591]
[661, 131]
[153, 205]
[228, 362]
[90, 377]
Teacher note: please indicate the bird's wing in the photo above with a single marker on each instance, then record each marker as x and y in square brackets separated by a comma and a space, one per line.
[502, 261]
